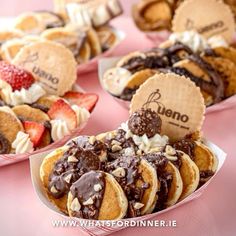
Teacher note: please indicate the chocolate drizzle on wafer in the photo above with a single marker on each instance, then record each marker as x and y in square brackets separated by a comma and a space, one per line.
[89, 199]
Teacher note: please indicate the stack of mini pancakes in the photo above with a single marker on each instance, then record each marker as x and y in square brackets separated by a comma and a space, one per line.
[85, 42]
[157, 15]
[129, 172]
[213, 69]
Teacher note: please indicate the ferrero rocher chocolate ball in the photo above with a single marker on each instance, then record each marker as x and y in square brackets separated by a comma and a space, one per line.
[145, 121]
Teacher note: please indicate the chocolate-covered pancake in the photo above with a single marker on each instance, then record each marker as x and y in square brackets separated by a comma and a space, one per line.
[98, 196]
[203, 75]
[201, 155]
[226, 68]
[139, 181]
[60, 169]
[169, 179]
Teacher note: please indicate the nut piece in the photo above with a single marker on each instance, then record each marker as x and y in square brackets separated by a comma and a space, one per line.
[170, 150]
[103, 156]
[53, 189]
[68, 178]
[116, 148]
[72, 159]
[88, 202]
[138, 205]
[92, 140]
[97, 187]
[119, 172]
[115, 142]
[75, 205]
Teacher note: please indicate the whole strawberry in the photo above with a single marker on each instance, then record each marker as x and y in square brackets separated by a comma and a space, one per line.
[17, 77]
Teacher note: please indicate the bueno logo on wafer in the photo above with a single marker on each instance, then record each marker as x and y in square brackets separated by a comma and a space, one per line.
[176, 99]
[219, 19]
[51, 63]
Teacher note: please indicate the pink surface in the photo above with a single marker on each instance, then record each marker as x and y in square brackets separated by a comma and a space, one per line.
[213, 213]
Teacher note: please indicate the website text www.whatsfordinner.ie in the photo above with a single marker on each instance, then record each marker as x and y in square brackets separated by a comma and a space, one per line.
[118, 223]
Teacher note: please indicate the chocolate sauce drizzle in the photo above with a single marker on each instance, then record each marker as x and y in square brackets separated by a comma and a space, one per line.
[83, 189]
[129, 182]
[86, 160]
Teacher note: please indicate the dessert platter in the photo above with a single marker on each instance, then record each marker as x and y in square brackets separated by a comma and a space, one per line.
[87, 40]
[158, 158]
[209, 63]
[153, 162]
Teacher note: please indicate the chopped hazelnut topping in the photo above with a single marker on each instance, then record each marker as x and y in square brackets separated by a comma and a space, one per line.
[75, 205]
[116, 148]
[72, 159]
[119, 172]
[92, 140]
[68, 178]
[97, 187]
[53, 189]
[115, 142]
[171, 158]
[88, 202]
[138, 205]
[170, 150]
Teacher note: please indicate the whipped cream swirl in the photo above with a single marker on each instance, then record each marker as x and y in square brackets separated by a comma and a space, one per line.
[147, 145]
[22, 96]
[191, 39]
[82, 114]
[59, 129]
[22, 143]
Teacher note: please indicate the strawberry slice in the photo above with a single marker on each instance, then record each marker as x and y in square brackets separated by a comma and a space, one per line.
[86, 100]
[17, 77]
[35, 131]
[60, 110]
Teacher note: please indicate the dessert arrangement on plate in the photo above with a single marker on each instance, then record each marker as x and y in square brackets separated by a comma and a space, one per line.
[210, 64]
[86, 38]
[157, 15]
[151, 162]
[41, 106]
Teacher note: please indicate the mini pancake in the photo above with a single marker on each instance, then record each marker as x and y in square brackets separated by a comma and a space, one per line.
[84, 53]
[47, 100]
[50, 19]
[205, 160]
[10, 48]
[112, 206]
[190, 176]
[149, 176]
[26, 112]
[152, 15]
[204, 76]
[6, 35]
[10, 125]
[226, 52]
[107, 37]
[94, 43]
[125, 59]
[77, 157]
[29, 23]
[71, 39]
[176, 187]
[115, 80]
[132, 173]
[139, 78]
[227, 70]
[45, 171]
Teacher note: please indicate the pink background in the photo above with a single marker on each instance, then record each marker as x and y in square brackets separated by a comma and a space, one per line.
[13, 7]
[214, 213]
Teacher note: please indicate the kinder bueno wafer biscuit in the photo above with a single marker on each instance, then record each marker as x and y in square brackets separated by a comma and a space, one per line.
[160, 93]
[42, 58]
[218, 21]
